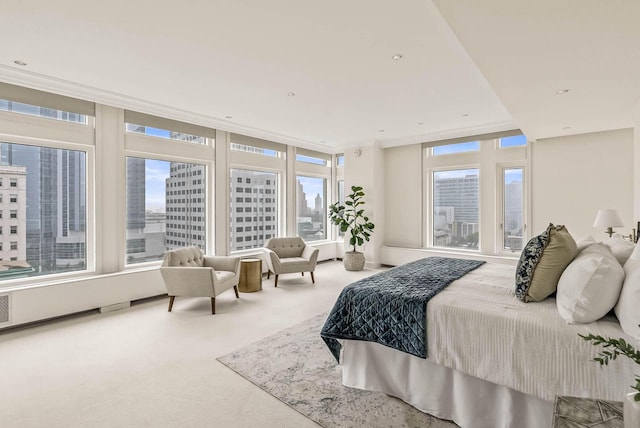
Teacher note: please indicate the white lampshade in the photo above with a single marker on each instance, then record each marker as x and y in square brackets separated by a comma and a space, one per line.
[608, 218]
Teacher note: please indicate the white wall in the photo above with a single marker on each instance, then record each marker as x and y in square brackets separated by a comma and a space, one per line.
[636, 161]
[367, 169]
[403, 193]
[572, 177]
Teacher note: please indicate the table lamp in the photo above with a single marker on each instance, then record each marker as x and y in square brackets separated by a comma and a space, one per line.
[608, 218]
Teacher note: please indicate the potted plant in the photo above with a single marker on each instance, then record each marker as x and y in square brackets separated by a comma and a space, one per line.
[350, 218]
[612, 349]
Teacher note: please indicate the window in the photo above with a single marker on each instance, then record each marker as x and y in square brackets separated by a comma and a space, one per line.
[340, 160]
[53, 206]
[340, 199]
[12, 214]
[48, 113]
[13, 182]
[456, 208]
[256, 150]
[311, 208]
[471, 146]
[256, 146]
[165, 133]
[167, 129]
[149, 184]
[513, 223]
[514, 141]
[257, 182]
[311, 159]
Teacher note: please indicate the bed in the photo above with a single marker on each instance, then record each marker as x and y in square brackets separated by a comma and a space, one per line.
[492, 361]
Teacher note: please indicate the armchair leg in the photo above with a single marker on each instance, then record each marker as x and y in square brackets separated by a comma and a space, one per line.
[302, 273]
[313, 280]
[213, 306]
[235, 288]
[276, 280]
[268, 274]
[171, 299]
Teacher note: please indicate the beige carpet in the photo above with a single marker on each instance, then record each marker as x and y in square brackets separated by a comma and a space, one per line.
[145, 367]
[296, 367]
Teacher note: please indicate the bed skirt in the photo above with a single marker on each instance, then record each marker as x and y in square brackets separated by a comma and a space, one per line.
[440, 391]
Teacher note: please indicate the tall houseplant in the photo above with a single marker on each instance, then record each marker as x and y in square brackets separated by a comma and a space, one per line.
[350, 218]
[612, 348]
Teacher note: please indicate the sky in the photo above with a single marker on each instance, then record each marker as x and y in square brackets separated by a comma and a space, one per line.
[156, 172]
[312, 186]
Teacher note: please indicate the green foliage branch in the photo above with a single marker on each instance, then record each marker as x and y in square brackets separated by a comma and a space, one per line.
[350, 217]
[612, 348]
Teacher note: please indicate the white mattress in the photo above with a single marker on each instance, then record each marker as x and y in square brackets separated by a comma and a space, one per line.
[478, 327]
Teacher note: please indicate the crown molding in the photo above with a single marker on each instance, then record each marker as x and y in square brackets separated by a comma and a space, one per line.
[449, 134]
[76, 90]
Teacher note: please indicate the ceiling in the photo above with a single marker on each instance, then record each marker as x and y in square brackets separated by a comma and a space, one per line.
[467, 67]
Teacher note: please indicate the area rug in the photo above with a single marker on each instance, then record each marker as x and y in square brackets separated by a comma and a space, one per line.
[296, 367]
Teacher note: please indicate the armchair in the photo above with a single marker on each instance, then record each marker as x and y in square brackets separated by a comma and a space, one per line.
[188, 272]
[289, 255]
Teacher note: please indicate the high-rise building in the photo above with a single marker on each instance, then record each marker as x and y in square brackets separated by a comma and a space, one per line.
[186, 206]
[136, 199]
[254, 208]
[456, 207]
[13, 219]
[55, 205]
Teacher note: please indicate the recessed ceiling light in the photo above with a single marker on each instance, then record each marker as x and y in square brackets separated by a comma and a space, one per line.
[381, 130]
[228, 117]
[566, 127]
[291, 94]
[562, 91]
[20, 62]
[322, 142]
[396, 57]
[465, 114]
[420, 123]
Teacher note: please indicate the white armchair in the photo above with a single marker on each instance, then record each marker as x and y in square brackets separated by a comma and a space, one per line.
[289, 255]
[188, 272]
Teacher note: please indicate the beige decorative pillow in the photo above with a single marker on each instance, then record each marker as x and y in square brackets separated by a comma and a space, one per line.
[556, 256]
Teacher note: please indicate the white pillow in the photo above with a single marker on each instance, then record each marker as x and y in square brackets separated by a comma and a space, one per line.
[590, 286]
[620, 248]
[583, 243]
[628, 308]
[636, 254]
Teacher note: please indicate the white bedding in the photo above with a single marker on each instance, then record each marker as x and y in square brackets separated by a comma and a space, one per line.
[478, 327]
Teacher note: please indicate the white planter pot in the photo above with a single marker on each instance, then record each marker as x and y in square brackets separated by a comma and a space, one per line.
[353, 260]
[631, 411]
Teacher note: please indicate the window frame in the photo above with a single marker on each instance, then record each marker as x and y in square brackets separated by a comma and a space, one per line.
[430, 190]
[487, 160]
[89, 153]
[169, 150]
[500, 205]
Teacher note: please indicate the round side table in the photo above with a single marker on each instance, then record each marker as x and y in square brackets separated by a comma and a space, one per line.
[250, 275]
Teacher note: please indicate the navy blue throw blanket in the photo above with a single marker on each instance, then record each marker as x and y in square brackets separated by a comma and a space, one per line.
[390, 307]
